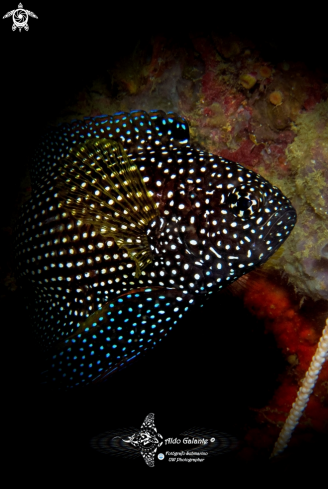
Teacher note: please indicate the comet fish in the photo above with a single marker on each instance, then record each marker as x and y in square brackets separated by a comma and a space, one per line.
[127, 228]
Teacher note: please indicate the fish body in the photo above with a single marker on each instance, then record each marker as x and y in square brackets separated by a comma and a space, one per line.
[129, 226]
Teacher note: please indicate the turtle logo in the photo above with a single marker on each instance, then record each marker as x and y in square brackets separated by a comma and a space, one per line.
[20, 18]
[147, 440]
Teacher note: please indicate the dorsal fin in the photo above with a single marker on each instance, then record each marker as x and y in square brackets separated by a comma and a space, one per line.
[136, 131]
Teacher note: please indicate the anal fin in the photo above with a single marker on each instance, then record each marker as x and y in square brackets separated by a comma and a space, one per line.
[117, 333]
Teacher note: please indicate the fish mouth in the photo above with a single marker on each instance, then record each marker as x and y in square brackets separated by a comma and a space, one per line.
[288, 218]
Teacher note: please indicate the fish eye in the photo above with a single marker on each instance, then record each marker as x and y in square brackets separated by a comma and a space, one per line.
[246, 202]
[243, 204]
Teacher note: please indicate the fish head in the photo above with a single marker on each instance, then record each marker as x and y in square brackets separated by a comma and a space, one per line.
[229, 223]
[246, 216]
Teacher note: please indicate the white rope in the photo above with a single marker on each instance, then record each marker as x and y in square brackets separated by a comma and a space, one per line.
[303, 394]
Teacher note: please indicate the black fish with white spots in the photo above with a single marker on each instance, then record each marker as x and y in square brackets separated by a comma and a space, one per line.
[128, 227]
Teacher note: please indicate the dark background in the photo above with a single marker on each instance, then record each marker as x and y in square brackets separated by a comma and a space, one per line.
[217, 364]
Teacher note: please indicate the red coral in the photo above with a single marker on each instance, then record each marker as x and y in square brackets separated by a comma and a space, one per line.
[247, 154]
[294, 334]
